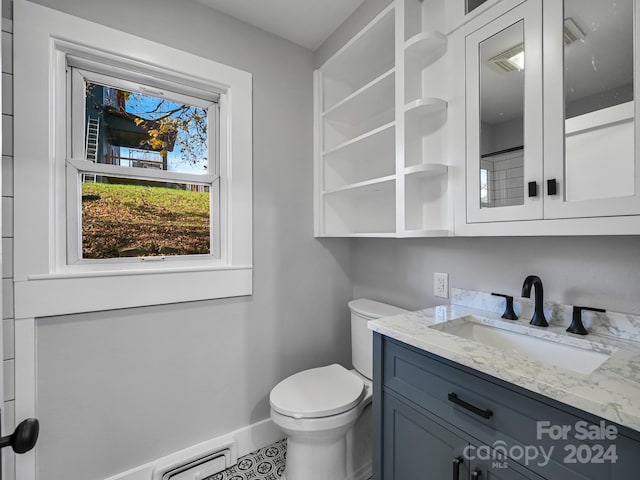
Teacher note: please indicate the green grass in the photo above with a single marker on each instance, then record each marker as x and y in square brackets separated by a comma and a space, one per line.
[138, 220]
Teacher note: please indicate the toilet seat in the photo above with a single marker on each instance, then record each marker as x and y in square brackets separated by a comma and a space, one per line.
[318, 392]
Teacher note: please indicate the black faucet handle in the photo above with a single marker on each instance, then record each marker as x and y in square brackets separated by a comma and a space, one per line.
[577, 326]
[509, 313]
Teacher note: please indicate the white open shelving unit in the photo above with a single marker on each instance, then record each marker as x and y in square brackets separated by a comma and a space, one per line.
[380, 114]
[426, 181]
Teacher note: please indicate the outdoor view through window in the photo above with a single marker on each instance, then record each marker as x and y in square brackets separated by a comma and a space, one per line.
[135, 213]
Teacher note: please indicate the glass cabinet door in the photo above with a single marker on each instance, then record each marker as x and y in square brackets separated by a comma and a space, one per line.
[591, 133]
[504, 117]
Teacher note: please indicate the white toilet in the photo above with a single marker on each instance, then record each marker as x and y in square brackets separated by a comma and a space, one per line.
[317, 408]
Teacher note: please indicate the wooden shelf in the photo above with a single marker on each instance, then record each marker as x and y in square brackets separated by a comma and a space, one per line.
[367, 145]
[359, 138]
[426, 203]
[426, 170]
[371, 157]
[361, 235]
[369, 54]
[361, 209]
[425, 48]
[423, 108]
[362, 187]
[427, 233]
[375, 98]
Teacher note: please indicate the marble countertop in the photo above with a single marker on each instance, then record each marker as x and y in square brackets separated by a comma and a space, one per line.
[612, 391]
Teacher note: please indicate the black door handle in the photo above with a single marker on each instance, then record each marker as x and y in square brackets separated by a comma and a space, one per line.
[552, 186]
[24, 436]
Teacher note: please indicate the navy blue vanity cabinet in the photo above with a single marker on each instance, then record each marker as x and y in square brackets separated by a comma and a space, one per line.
[436, 420]
[411, 439]
[418, 447]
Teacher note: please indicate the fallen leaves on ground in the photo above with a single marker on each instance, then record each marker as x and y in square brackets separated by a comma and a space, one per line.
[148, 220]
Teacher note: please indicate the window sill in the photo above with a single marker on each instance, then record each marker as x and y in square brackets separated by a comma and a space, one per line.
[69, 293]
[117, 270]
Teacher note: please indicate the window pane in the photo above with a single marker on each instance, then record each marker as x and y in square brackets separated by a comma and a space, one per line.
[138, 130]
[473, 4]
[138, 218]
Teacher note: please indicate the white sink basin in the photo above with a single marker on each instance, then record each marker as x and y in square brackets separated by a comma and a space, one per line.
[524, 343]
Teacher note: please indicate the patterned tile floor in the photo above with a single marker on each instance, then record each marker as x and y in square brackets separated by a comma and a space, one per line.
[264, 464]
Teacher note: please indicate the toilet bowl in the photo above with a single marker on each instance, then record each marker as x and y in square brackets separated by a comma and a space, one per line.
[325, 412]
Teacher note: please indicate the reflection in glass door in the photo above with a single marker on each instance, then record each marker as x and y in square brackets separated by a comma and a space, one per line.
[599, 99]
[501, 67]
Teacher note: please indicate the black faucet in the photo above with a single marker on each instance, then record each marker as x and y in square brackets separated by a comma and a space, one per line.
[577, 326]
[538, 314]
[508, 314]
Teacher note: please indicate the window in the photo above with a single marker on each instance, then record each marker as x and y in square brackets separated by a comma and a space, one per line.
[142, 172]
[473, 4]
[134, 183]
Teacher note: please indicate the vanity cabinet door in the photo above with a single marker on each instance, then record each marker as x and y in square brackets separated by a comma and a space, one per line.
[496, 470]
[504, 117]
[591, 133]
[417, 448]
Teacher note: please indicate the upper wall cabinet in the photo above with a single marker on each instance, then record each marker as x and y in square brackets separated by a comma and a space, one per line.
[381, 165]
[459, 12]
[591, 163]
[481, 117]
[549, 108]
[504, 117]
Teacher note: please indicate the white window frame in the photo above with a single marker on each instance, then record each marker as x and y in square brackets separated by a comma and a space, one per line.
[76, 164]
[46, 282]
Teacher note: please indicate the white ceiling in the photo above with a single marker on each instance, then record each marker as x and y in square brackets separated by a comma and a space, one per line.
[305, 22]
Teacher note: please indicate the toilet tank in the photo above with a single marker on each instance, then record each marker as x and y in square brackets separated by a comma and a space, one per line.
[363, 310]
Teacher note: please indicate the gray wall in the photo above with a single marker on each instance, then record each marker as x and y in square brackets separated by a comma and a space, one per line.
[117, 389]
[596, 271]
[363, 15]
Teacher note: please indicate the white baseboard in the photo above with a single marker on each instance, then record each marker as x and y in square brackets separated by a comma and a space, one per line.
[241, 442]
[363, 473]
[256, 436]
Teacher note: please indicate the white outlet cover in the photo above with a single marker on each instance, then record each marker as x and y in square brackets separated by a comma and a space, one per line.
[441, 285]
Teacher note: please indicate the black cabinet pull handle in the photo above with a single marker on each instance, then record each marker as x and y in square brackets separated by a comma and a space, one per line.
[456, 467]
[552, 186]
[476, 473]
[533, 189]
[453, 397]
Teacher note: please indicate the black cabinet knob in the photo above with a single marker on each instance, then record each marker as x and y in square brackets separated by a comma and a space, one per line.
[552, 186]
[533, 189]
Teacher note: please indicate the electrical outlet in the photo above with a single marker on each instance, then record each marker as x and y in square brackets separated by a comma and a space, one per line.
[441, 285]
